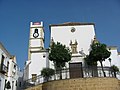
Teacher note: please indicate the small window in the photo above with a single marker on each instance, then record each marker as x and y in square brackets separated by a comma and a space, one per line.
[34, 77]
[14, 66]
[5, 84]
[12, 85]
[0, 82]
[7, 65]
[20, 84]
[2, 59]
[16, 83]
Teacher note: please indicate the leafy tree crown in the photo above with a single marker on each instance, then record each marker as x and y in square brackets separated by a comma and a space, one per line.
[47, 72]
[59, 54]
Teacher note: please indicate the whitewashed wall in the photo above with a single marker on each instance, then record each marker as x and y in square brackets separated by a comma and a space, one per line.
[11, 74]
[84, 34]
[3, 77]
[38, 62]
[38, 55]
[115, 59]
[2, 81]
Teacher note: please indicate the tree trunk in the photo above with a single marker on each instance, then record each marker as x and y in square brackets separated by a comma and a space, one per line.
[95, 71]
[102, 68]
[92, 70]
[115, 74]
[60, 75]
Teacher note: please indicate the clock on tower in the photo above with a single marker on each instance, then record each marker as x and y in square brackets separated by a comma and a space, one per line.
[37, 54]
[36, 42]
[35, 34]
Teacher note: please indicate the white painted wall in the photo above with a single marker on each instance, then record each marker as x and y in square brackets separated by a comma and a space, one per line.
[78, 58]
[2, 81]
[84, 34]
[115, 59]
[3, 77]
[14, 74]
[11, 74]
[119, 58]
[39, 41]
[38, 62]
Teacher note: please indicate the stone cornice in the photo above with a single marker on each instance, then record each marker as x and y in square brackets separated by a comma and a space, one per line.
[71, 24]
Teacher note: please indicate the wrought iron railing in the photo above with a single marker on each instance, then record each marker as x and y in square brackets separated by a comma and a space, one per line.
[3, 68]
[68, 74]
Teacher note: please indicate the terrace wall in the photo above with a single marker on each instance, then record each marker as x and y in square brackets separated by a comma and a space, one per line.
[80, 84]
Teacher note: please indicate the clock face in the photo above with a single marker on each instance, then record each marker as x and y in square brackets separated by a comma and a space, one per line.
[35, 34]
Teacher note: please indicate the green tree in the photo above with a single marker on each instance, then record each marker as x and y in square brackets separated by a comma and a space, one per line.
[114, 69]
[59, 54]
[89, 62]
[91, 65]
[99, 53]
[47, 73]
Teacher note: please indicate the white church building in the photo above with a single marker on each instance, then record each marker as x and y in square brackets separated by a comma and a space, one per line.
[77, 36]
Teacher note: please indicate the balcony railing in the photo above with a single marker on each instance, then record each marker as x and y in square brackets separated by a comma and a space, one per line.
[3, 68]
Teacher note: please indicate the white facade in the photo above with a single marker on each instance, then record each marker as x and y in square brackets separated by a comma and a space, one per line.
[14, 74]
[114, 57]
[8, 70]
[2, 81]
[77, 36]
[70, 33]
[37, 54]
[4, 59]
[119, 55]
[83, 34]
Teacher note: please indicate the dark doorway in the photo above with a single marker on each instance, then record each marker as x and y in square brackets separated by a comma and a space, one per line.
[76, 70]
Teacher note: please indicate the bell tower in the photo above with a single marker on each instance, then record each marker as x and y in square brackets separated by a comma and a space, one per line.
[37, 54]
[36, 39]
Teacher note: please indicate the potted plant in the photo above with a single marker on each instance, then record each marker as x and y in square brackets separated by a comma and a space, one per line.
[114, 69]
[47, 73]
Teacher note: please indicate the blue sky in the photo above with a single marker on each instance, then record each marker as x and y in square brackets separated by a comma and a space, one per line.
[16, 15]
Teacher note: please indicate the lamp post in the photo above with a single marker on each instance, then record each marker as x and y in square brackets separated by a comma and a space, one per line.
[110, 66]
